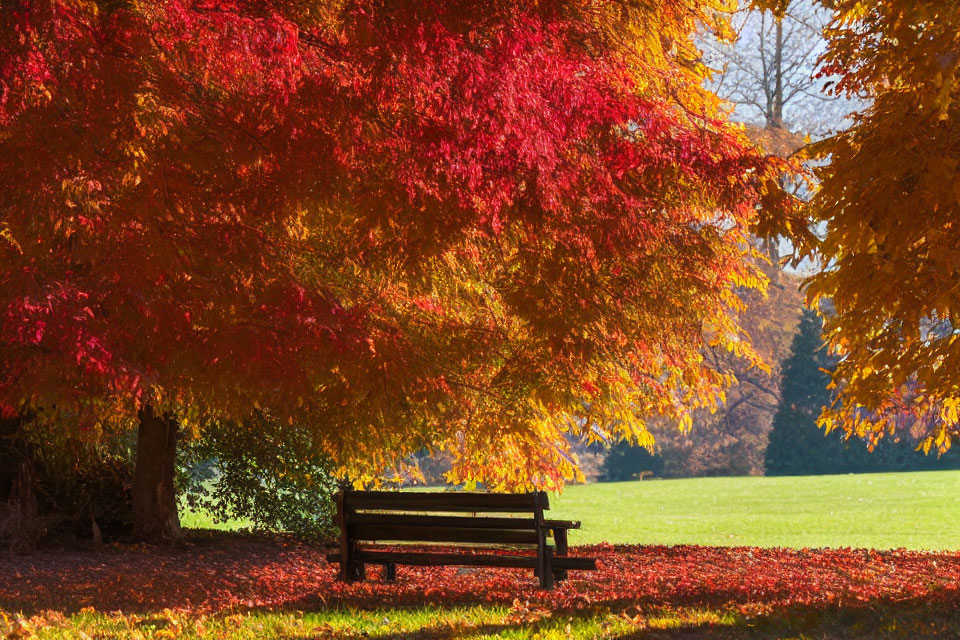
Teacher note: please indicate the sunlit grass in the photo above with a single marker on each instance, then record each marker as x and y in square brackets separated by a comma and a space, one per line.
[474, 623]
[885, 510]
[484, 622]
[202, 520]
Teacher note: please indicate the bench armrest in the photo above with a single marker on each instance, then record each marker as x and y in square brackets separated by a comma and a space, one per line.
[561, 524]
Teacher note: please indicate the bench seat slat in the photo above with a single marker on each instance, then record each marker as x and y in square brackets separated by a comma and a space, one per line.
[425, 559]
[415, 520]
[447, 501]
[405, 533]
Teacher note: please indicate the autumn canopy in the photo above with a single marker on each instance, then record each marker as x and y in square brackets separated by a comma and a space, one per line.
[889, 206]
[478, 226]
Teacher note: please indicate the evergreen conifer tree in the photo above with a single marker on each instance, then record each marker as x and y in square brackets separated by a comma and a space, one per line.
[626, 461]
[797, 446]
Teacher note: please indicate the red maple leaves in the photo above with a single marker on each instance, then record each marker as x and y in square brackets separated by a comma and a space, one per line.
[255, 200]
[212, 577]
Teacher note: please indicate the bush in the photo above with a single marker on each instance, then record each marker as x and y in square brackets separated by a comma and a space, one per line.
[61, 489]
[626, 461]
[268, 473]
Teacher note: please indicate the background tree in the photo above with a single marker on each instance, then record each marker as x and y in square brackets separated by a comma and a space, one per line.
[626, 461]
[481, 227]
[798, 447]
[766, 73]
[769, 72]
[732, 439]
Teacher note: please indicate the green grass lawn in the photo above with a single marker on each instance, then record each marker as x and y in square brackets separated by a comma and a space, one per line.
[427, 623]
[919, 510]
[462, 623]
[490, 622]
[201, 520]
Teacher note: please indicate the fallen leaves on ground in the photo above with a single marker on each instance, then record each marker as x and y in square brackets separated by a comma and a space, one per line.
[242, 573]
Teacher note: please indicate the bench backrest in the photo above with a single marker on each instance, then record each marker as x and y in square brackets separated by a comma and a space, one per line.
[447, 517]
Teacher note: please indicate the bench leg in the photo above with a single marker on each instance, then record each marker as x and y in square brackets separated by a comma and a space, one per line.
[389, 572]
[546, 569]
[354, 571]
[560, 537]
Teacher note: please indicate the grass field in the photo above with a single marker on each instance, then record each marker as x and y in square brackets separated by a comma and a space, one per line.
[917, 510]
[914, 510]
[490, 623]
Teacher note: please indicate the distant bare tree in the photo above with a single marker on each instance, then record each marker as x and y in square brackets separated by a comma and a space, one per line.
[768, 74]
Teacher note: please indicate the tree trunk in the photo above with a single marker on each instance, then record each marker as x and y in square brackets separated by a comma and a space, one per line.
[778, 79]
[27, 527]
[155, 515]
[9, 455]
[19, 516]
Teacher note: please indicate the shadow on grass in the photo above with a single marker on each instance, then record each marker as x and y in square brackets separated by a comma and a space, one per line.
[878, 621]
[935, 616]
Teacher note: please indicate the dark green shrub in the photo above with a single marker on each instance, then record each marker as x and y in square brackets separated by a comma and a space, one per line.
[61, 490]
[268, 473]
[626, 461]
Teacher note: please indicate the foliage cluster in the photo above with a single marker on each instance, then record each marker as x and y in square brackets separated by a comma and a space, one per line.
[732, 440]
[477, 227]
[888, 204]
[486, 229]
[61, 488]
[73, 489]
[265, 473]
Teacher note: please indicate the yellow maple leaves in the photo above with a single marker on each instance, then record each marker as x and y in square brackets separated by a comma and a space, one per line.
[889, 205]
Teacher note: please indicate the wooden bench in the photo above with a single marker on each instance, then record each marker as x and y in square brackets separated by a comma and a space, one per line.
[470, 529]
